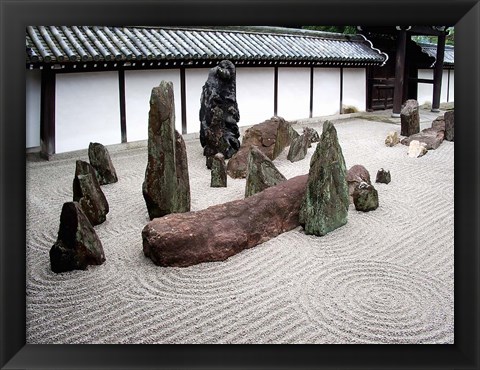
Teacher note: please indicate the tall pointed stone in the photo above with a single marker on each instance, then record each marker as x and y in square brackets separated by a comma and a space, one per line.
[89, 195]
[166, 188]
[102, 163]
[77, 244]
[325, 205]
[261, 173]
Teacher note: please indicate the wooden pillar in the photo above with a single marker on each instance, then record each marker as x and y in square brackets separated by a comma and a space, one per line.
[399, 73]
[183, 99]
[437, 73]
[47, 115]
[311, 92]
[123, 114]
[275, 91]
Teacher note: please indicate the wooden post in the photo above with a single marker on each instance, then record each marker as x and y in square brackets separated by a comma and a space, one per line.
[47, 120]
[183, 100]
[275, 91]
[123, 114]
[341, 90]
[311, 92]
[437, 73]
[399, 73]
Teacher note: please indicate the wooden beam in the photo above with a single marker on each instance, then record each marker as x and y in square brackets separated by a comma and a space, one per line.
[123, 114]
[47, 115]
[437, 73]
[399, 73]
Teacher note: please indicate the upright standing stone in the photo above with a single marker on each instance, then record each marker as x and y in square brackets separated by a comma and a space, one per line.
[219, 172]
[166, 188]
[87, 192]
[261, 173]
[77, 244]
[325, 206]
[449, 125]
[285, 135]
[219, 113]
[102, 163]
[410, 118]
[298, 148]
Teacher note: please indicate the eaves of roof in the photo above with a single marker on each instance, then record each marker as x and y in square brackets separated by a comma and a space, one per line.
[48, 45]
[431, 50]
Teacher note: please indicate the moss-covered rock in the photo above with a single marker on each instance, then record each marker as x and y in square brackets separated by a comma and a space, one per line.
[325, 205]
[261, 173]
[77, 244]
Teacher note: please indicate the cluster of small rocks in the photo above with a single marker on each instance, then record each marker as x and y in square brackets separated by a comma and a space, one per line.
[420, 142]
[77, 244]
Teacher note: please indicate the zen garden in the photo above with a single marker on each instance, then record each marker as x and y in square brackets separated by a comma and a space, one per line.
[330, 228]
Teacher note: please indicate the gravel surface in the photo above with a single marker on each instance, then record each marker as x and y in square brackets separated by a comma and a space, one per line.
[384, 277]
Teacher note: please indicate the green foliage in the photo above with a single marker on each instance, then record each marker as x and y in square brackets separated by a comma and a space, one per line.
[351, 30]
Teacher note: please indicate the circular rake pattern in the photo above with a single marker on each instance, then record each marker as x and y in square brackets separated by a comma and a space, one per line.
[376, 302]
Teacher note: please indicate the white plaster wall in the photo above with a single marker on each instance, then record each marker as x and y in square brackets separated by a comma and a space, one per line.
[354, 88]
[425, 91]
[194, 81]
[255, 94]
[87, 110]
[326, 91]
[443, 92]
[32, 105]
[293, 93]
[451, 94]
[138, 88]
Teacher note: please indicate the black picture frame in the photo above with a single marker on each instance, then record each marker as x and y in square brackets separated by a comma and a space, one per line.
[16, 15]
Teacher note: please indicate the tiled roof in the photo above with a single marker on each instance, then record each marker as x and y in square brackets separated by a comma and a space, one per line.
[69, 44]
[431, 50]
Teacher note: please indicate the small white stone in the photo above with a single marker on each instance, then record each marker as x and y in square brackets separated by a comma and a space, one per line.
[416, 149]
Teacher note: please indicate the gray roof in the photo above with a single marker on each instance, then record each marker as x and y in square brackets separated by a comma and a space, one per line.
[431, 50]
[71, 44]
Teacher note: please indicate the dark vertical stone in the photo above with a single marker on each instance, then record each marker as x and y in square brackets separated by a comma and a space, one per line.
[166, 188]
[325, 205]
[219, 112]
[89, 195]
[261, 173]
[219, 172]
[102, 163]
[77, 244]
[449, 125]
[410, 118]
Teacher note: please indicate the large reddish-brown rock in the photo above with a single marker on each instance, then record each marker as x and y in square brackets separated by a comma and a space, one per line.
[264, 136]
[356, 175]
[218, 232]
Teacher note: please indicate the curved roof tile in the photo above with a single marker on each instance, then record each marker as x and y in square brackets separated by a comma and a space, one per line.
[98, 43]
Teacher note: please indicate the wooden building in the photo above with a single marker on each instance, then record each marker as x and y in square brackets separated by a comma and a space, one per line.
[413, 71]
[93, 83]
